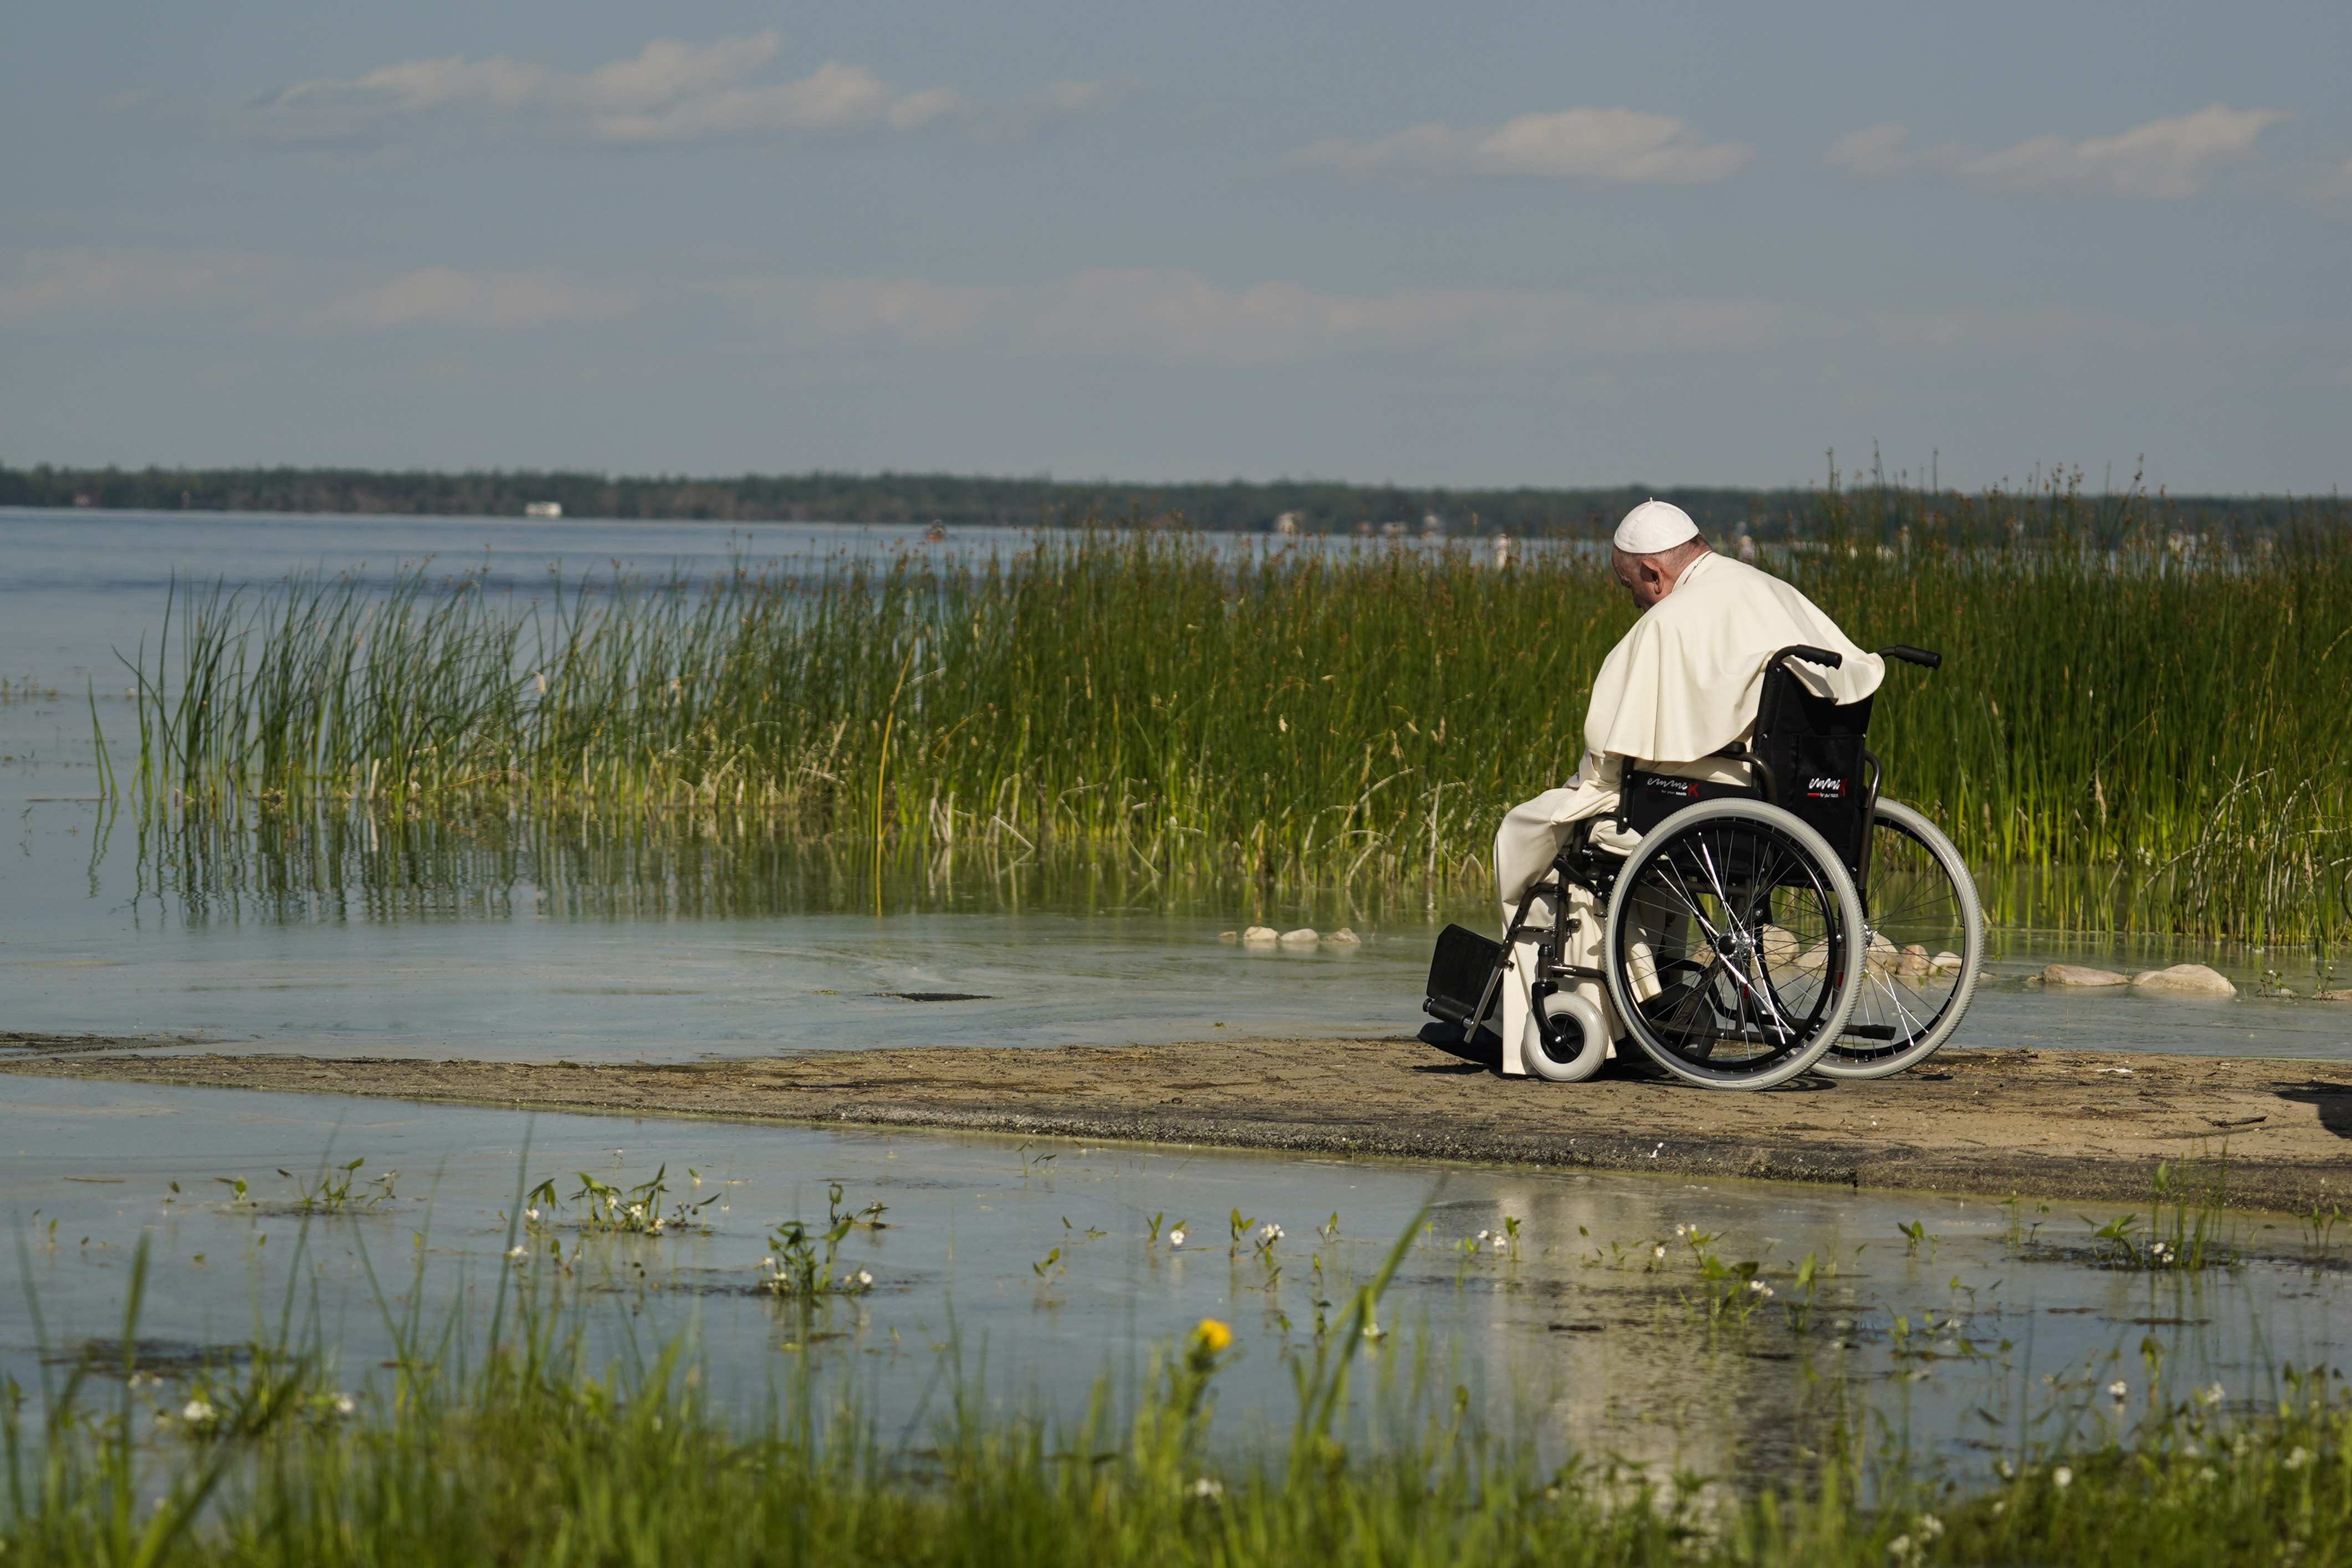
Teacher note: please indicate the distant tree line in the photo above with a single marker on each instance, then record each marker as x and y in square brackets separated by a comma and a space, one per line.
[920, 499]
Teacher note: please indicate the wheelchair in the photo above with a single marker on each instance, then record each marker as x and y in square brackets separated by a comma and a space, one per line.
[1798, 923]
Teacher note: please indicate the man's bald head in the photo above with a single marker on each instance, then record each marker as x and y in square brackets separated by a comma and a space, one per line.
[1649, 577]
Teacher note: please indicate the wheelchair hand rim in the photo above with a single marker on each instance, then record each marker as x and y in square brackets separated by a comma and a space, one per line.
[1795, 847]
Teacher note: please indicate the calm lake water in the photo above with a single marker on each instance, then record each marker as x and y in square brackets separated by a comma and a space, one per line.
[589, 939]
[1036, 1264]
[621, 940]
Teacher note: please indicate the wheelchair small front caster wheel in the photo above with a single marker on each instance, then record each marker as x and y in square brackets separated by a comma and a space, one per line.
[1565, 1040]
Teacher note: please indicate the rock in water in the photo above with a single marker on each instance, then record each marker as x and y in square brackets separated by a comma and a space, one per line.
[1298, 938]
[1344, 938]
[1259, 934]
[2075, 975]
[2331, 997]
[1229, 936]
[2193, 978]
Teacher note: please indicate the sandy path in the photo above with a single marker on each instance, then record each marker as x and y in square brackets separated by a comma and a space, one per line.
[2048, 1124]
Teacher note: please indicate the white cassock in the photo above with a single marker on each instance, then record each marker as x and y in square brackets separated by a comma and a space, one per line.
[1681, 685]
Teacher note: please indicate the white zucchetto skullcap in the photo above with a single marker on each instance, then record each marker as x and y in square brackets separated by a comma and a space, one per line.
[1653, 526]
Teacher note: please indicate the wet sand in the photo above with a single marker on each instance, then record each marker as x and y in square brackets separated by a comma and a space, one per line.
[2045, 1124]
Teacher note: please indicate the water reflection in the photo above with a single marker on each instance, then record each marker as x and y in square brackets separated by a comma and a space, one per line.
[1594, 1331]
[462, 863]
[680, 934]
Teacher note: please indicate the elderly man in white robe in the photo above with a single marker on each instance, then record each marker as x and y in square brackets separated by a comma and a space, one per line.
[1679, 687]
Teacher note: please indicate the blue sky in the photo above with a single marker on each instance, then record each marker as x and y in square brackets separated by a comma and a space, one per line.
[1471, 243]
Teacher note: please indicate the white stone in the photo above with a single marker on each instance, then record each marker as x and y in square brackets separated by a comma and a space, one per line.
[2075, 975]
[1344, 938]
[2194, 979]
[1229, 936]
[1298, 938]
[1260, 934]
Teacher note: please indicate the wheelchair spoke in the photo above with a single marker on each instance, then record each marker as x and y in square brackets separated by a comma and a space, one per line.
[1760, 891]
[1730, 950]
[1690, 907]
[1741, 924]
[1914, 1025]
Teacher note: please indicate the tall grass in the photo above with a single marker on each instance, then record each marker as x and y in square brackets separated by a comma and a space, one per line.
[2139, 726]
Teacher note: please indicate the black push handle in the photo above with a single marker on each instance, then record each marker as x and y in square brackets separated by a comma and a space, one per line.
[1821, 656]
[1911, 656]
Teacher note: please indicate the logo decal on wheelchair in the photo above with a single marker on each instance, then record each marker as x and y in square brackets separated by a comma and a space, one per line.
[1825, 789]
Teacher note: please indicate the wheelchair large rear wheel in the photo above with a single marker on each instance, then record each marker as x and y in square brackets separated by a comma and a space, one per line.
[1923, 952]
[1733, 943]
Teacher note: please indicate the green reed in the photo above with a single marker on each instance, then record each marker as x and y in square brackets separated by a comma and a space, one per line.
[2139, 725]
[520, 1446]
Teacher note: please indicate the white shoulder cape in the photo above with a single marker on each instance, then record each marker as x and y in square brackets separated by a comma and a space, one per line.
[1684, 682]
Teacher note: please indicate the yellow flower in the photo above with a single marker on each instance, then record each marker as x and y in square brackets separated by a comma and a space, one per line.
[1212, 1335]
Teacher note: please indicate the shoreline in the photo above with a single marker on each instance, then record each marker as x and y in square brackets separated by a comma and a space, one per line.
[2043, 1125]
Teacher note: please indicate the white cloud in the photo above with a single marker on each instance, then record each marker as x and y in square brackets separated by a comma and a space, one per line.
[670, 95]
[1141, 316]
[244, 292]
[1618, 146]
[2163, 161]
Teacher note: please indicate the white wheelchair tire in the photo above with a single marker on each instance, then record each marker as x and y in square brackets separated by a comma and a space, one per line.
[1574, 1011]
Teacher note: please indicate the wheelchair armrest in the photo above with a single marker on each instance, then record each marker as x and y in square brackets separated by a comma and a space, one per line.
[1911, 656]
[1810, 654]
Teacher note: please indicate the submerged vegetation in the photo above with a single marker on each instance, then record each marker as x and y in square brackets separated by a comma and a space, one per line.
[2138, 726]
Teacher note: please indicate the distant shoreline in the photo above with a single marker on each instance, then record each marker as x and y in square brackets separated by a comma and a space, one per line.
[961, 500]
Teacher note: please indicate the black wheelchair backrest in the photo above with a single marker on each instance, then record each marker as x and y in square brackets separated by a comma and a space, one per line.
[1812, 751]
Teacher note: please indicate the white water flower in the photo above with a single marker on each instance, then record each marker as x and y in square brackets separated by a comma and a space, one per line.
[2212, 1395]
[532, 1215]
[197, 1412]
[863, 1278]
[345, 1405]
[2120, 1388]
[1930, 1526]
[1659, 1252]
[1175, 1239]
[1206, 1487]
[2062, 1477]
[2299, 1459]
[1268, 1235]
